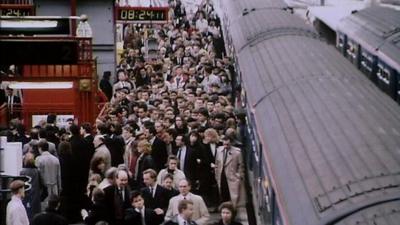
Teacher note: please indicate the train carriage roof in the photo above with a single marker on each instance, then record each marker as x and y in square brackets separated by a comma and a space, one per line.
[331, 137]
[376, 29]
[385, 214]
[390, 51]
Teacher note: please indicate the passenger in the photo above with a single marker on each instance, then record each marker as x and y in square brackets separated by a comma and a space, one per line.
[228, 214]
[101, 155]
[49, 168]
[109, 178]
[172, 170]
[200, 211]
[16, 213]
[229, 172]
[117, 198]
[140, 214]
[98, 211]
[168, 183]
[186, 211]
[51, 214]
[32, 198]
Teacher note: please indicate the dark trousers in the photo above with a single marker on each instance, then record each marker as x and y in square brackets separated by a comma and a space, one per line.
[224, 191]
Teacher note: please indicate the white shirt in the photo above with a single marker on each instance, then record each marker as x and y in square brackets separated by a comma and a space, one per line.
[181, 154]
[16, 213]
[153, 190]
[181, 221]
[213, 147]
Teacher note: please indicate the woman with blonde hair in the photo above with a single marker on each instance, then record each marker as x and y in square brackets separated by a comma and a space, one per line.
[144, 162]
[208, 184]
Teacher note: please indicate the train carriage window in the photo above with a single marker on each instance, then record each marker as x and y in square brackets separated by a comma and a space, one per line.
[383, 73]
[243, 98]
[366, 61]
[352, 49]
[340, 43]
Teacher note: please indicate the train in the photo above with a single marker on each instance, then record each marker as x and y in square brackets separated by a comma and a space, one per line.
[370, 39]
[324, 141]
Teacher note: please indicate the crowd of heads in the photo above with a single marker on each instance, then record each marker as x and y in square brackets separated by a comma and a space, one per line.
[182, 97]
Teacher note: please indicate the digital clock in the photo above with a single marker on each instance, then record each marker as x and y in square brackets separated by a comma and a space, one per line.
[142, 15]
[16, 11]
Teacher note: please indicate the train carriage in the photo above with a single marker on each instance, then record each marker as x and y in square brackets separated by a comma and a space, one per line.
[325, 139]
[369, 39]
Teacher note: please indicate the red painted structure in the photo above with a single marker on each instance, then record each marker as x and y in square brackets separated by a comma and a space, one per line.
[80, 100]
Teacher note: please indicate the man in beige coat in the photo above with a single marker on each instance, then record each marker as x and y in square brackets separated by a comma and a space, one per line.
[229, 172]
[200, 211]
[101, 151]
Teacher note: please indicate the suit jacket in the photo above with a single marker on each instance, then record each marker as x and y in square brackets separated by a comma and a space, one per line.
[174, 221]
[116, 145]
[98, 212]
[50, 170]
[200, 211]
[116, 206]
[133, 217]
[159, 153]
[190, 163]
[89, 139]
[234, 170]
[81, 161]
[232, 223]
[49, 217]
[106, 87]
[145, 162]
[160, 199]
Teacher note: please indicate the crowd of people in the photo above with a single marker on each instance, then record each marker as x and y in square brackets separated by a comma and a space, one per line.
[166, 149]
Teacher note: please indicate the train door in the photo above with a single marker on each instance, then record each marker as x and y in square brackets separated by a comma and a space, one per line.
[276, 215]
[368, 64]
[398, 86]
[341, 43]
[387, 80]
[352, 52]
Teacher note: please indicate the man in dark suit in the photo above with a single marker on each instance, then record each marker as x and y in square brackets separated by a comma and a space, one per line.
[81, 161]
[105, 85]
[185, 208]
[116, 144]
[51, 215]
[139, 214]
[155, 196]
[185, 156]
[117, 198]
[13, 103]
[86, 132]
[158, 148]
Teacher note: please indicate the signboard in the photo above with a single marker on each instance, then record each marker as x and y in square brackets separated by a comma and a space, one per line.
[142, 14]
[29, 26]
[17, 10]
[61, 119]
[43, 52]
[11, 158]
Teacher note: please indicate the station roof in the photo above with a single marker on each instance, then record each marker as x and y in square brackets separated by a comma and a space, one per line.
[332, 15]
